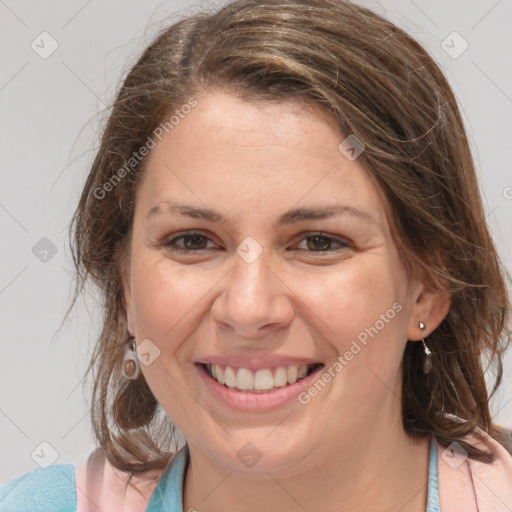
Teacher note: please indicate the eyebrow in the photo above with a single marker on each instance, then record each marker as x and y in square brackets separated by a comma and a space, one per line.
[292, 216]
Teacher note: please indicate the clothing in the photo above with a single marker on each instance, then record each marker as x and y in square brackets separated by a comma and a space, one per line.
[433, 490]
[96, 486]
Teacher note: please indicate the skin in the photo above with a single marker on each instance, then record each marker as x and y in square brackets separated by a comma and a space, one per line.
[346, 449]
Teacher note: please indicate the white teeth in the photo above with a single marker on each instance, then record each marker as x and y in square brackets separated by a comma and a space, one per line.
[229, 377]
[302, 372]
[292, 374]
[219, 374]
[244, 379]
[262, 379]
[259, 381]
[280, 377]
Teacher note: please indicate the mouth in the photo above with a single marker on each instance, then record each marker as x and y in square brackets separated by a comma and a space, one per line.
[263, 380]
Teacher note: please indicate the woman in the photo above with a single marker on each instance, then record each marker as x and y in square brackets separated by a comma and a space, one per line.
[284, 220]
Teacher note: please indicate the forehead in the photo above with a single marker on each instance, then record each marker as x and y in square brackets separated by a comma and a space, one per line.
[241, 155]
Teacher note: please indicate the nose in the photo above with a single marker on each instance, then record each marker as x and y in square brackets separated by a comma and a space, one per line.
[254, 300]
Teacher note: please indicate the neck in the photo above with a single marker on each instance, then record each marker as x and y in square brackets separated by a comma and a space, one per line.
[384, 470]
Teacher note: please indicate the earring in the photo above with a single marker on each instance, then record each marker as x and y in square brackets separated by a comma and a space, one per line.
[427, 362]
[131, 365]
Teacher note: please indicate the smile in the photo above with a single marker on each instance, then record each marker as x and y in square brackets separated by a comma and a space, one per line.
[261, 389]
[264, 380]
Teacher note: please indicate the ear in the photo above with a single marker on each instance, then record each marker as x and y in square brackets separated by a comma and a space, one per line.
[430, 307]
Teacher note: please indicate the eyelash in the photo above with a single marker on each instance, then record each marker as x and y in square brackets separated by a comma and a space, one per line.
[170, 244]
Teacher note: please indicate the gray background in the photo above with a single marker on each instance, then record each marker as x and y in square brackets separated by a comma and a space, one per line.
[50, 114]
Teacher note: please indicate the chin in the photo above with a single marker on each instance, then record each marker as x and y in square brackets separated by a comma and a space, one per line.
[256, 458]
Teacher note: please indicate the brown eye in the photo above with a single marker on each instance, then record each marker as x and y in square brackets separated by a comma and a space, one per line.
[194, 241]
[320, 243]
[188, 242]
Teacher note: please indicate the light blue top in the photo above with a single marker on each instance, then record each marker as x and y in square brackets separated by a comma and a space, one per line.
[168, 493]
[53, 489]
[433, 488]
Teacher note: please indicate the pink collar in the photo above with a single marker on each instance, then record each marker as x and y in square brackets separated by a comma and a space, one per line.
[470, 487]
[475, 486]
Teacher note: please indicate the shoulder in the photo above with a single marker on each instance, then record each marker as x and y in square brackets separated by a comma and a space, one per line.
[493, 481]
[101, 486]
[502, 458]
[468, 484]
[90, 485]
[500, 470]
[51, 489]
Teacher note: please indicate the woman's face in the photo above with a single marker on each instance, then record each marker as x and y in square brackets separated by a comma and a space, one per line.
[259, 246]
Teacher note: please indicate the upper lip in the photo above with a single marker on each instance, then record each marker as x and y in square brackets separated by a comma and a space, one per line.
[256, 363]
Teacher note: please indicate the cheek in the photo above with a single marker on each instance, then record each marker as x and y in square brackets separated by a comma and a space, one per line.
[366, 314]
[363, 311]
[167, 300]
[165, 304]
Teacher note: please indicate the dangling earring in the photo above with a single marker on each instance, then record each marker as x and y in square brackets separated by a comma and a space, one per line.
[427, 362]
[131, 365]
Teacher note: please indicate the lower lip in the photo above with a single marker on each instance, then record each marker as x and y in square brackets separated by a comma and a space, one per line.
[246, 401]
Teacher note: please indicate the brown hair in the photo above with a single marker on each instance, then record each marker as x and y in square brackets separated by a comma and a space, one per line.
[378, 84]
